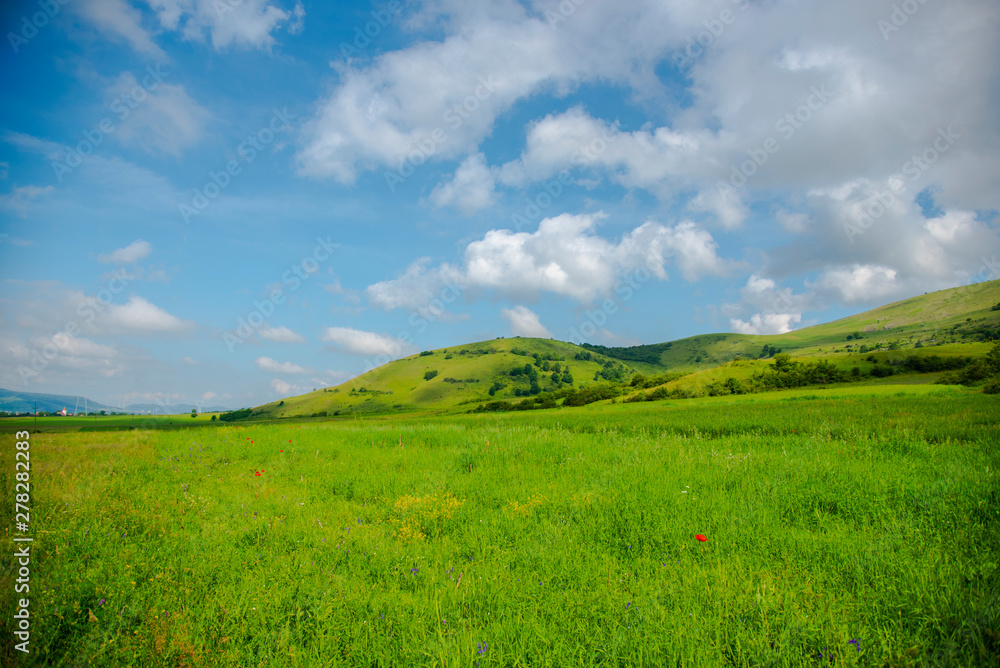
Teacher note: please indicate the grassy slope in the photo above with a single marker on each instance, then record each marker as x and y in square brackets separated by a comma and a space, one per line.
[927, 317]
[400, 385]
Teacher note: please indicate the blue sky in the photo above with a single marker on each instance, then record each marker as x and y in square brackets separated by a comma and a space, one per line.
[231, 201]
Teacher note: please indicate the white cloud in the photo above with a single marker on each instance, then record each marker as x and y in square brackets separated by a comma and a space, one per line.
[206, 396]
[418, 287]
[472, 187]
[492, 55]
[563, 257]
[766, 323]
[524, 322]
[280, 335]
[19, 198]
[135, 251]
[230, 23]
[274, 366]
[164, 118]
[187, 360]
[359, 342]
[121, 21]
[858, 283]
[281, 387]
[139, 316]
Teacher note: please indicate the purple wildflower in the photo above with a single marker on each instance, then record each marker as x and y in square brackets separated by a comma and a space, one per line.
[855, 642]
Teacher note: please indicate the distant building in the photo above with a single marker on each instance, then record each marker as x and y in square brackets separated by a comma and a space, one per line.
[62, 412]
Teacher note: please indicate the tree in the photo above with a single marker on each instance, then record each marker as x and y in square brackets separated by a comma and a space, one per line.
[430, 374]
[194, 412]
[783, 362]
[993, 358]
[213, 418]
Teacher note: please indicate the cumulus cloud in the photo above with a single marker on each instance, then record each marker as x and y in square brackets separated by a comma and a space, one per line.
[524, 322]
[280, 335]
[135, 251]
[472, 187]
[359, 342]
[563, 257]
[766, 323]
[858, 283]
[245, 24]
[274, 366]
[139, 316]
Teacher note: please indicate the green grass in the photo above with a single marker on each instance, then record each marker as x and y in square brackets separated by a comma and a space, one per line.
[10, 425]
[834, 515]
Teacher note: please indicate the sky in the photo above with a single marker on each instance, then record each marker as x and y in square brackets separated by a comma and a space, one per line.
[227, 202]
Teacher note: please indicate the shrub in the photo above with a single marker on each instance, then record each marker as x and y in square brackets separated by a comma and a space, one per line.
[430, 374]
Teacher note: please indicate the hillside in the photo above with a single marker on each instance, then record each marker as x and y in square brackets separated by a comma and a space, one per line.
[954, 323]
[946, 316]
[465, 375]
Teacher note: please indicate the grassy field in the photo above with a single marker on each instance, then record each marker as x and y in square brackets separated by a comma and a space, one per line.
[845, 527]
[10, 425]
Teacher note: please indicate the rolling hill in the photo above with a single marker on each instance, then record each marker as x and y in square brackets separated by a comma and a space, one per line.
[948, 323]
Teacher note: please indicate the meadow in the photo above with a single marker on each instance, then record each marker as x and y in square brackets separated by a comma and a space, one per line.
[845, 527]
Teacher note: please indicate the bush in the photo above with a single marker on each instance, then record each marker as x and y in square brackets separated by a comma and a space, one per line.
[430, 374]
[232, 416]
[993, 386]
[426, 353]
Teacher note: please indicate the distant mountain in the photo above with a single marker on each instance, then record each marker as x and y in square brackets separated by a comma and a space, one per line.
[12, 401]
[173, 409]
[24, 402]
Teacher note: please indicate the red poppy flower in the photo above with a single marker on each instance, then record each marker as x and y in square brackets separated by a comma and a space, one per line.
[700, 537]
[289, 440]
[281, 451]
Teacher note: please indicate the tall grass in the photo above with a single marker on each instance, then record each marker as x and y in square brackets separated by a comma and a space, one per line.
[856, 530]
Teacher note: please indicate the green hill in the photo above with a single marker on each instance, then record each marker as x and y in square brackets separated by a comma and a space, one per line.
[457, 376]
[947, 316]
[946, 324]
